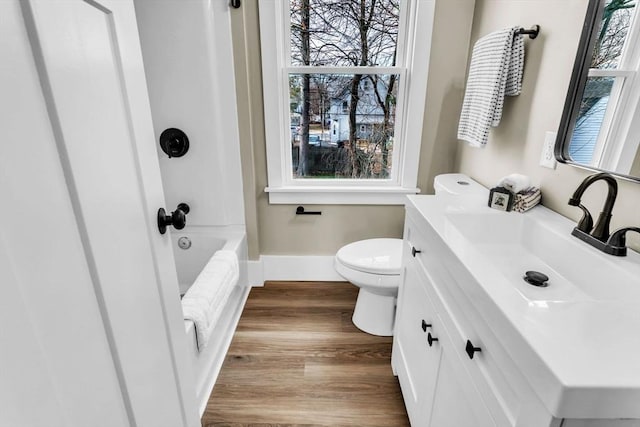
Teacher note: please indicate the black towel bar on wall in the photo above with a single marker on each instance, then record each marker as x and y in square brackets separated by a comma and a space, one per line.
[300, 211]
[532, 32]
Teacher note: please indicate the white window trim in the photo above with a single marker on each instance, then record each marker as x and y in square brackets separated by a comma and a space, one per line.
[617, 141]
[281, 188]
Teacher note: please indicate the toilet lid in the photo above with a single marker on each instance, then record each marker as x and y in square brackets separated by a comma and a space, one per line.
[377, 256]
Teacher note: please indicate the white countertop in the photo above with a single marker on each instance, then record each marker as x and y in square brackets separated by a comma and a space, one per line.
[581, 356]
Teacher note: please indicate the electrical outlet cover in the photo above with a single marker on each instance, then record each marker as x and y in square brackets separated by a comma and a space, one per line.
[547, 157]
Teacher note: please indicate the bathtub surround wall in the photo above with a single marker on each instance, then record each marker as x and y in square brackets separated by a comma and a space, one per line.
[274, 231]
[187, 51]
[186, 47]
[516, 144]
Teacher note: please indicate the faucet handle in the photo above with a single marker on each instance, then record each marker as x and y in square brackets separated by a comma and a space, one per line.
[617, 243]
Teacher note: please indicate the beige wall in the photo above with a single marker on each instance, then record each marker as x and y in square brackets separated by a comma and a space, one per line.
[275, 229]
[515, 145]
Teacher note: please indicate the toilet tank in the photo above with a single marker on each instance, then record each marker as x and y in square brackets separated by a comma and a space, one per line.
[458, 184]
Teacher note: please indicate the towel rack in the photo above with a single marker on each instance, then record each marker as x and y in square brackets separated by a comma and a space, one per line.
[300, 211]
[532, 32]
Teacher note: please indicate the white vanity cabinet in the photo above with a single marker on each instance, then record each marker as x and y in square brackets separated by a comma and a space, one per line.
[442, 384]
[472, 349]
[436, 388]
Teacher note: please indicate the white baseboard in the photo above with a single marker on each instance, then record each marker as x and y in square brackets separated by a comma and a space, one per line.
[302, 268]
[256, 275]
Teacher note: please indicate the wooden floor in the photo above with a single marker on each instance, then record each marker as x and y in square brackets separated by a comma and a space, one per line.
[297, 360]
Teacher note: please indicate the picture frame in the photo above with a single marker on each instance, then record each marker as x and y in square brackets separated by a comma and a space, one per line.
[502, 199]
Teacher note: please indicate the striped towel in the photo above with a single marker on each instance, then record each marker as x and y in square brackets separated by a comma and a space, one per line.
[527, 199]
[497, 64]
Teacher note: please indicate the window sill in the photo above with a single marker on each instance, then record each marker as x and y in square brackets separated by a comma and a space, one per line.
[339, 195]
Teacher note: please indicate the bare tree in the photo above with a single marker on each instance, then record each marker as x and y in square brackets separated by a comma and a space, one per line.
[348, 33]
[616, 21]
[301, 29]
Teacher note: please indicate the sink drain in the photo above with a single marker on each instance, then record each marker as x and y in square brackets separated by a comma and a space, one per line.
[536, 278]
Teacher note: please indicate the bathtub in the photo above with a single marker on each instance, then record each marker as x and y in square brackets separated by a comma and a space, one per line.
[204, 242]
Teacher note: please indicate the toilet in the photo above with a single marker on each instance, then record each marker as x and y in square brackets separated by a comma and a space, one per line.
[374, 265]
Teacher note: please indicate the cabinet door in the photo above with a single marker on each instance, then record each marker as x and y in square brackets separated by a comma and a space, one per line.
[418, 361]
[457, 402]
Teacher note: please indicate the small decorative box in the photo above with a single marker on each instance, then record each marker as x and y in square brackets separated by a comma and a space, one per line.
[500, 198]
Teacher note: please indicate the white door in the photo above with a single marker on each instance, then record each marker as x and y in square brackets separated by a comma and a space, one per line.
[91, 330]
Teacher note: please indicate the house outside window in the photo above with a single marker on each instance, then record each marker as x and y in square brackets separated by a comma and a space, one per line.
[343, 71]
[601, 137]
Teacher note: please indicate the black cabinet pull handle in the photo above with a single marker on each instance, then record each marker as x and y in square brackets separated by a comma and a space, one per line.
[431, 339]
[470, 349]
[235, 4]
[414, 251]
[425, 325]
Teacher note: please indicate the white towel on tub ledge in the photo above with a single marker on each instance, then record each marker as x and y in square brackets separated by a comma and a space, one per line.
[206, 298]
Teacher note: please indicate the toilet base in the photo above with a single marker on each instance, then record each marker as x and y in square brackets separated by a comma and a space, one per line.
[374, 314]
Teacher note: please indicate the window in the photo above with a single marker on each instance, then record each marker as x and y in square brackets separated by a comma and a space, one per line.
[602, 136]
[358, 138]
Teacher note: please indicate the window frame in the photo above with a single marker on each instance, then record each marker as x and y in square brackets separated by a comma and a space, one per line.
[616, 144]
[282, 187]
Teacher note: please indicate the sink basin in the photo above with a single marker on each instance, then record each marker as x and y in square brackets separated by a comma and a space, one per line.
[509, 244]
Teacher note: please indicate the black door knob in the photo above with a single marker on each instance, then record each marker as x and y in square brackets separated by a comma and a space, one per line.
[184, 208]
[177, 219]
[471, 350]
[431, 339]
[425, 325]
[414, 251]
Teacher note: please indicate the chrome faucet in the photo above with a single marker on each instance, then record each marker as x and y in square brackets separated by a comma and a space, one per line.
[585, 225]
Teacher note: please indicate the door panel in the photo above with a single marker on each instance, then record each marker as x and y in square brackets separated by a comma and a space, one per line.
[56, 359]
[82, 179]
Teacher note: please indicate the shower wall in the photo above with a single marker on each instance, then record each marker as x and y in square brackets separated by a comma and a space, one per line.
[186, 46]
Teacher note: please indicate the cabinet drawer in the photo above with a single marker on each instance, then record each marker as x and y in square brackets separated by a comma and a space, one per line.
[417, 245]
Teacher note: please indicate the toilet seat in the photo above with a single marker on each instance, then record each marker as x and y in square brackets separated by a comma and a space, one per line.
[385, 284]
[373, 256]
